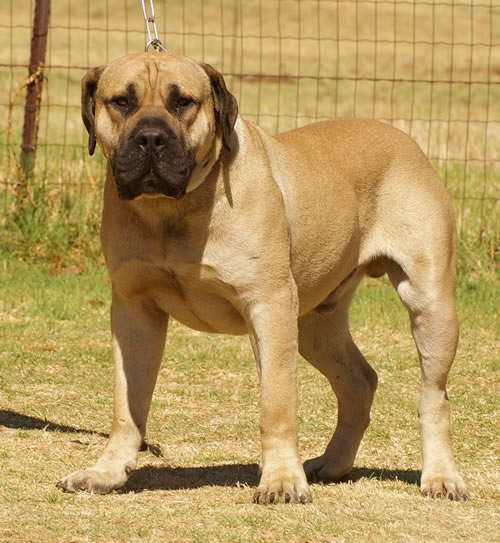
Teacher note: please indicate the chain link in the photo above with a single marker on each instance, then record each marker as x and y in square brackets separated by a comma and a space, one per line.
[153, 42]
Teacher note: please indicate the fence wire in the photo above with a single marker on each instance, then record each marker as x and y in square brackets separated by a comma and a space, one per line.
[429, 68]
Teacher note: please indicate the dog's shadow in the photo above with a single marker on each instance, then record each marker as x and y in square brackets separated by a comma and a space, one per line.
[180, 478]
[177, 478]
[184, 478]
[18, 421]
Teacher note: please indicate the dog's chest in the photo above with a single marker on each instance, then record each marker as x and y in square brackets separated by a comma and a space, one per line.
[183, 278]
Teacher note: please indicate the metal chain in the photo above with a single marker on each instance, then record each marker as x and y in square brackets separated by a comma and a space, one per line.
[155, 42]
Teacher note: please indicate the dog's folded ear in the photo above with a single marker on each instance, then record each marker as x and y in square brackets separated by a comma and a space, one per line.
[226, 105]
[89, 87]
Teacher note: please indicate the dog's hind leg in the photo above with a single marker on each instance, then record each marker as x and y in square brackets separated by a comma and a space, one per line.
[428, 292]
[325, 341]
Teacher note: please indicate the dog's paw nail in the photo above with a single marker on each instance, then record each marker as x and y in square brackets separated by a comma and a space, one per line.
[305, 498]
[65, 487]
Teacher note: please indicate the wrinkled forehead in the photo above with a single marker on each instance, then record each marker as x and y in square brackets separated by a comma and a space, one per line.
[154, 72]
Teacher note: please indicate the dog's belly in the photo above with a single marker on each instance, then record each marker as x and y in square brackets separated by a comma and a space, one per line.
[193, 299]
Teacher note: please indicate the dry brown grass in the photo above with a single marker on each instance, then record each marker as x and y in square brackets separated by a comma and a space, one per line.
[196, 481]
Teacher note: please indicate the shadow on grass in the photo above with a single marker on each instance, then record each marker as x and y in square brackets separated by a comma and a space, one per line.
[410, 476]
[178, 478]
[170, 478]
[11, 419]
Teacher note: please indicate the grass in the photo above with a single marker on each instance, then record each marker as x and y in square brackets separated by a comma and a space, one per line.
[195, 481]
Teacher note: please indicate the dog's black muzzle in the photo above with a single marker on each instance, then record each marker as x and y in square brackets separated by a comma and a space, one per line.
[152, 160]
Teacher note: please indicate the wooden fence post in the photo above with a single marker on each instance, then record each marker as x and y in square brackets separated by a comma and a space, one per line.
[34, 87]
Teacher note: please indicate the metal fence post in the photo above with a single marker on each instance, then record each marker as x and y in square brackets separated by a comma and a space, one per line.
[34, 87]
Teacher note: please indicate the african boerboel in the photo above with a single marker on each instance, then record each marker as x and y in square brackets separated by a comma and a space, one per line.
[209, 219]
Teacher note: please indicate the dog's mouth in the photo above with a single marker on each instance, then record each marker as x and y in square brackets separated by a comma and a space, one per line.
[150, 186]
[152, 175]
[152, 161]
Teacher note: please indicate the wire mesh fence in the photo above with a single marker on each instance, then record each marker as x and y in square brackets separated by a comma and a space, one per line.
[431, 68]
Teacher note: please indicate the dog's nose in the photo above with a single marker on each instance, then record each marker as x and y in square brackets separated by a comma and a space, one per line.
[151, 139]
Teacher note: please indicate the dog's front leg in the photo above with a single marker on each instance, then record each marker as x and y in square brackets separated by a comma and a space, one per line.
[138, 341]
[273, 334]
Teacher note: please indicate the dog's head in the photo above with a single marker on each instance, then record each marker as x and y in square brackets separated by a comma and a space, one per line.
[161, 121]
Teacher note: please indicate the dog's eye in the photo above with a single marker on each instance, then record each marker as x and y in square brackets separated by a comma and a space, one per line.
[121, 102]
[182, 104]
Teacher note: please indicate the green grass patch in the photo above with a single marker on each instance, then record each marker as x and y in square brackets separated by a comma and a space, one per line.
[196, 480]
[60, 224]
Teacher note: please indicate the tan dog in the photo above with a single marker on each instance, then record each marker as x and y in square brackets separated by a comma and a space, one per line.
[210, 220]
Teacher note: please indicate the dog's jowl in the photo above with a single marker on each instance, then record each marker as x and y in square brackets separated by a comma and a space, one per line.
[209, 219]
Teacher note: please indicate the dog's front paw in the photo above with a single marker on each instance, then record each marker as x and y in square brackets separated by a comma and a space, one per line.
[450, 486]
[291, 488]
[92, 480]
